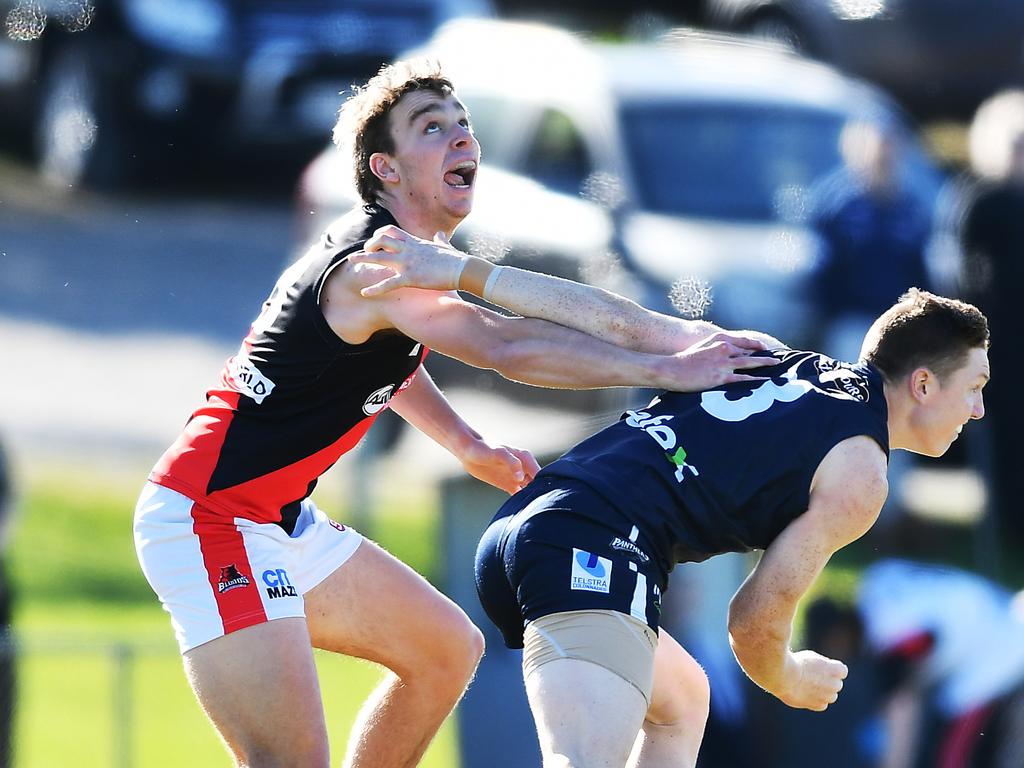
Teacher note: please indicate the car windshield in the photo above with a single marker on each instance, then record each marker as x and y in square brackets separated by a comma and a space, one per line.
[751, 163]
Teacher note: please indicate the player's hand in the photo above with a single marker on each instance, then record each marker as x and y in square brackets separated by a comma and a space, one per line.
[716, 360]
[767, 340]
[509, 469]
[416, 263]
[813, 681]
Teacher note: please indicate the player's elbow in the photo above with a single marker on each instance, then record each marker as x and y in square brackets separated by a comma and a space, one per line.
[752, 631]
[517, 360]
[519, 355]
[740, 618]
[758, 653]
[741, 635]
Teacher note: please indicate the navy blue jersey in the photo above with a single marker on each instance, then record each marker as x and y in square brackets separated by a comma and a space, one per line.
[728, 469]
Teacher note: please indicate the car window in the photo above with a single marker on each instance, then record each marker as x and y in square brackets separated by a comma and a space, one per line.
[556, 156]
[728, 161]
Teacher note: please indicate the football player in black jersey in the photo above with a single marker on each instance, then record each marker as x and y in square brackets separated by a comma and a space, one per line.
[270, 429]
[572, 568]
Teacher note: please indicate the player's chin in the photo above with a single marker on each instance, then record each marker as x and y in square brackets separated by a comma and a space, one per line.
[460, 206]
[938, 450]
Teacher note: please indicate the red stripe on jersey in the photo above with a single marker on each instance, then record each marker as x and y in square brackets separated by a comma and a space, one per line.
[227, 567]
[202, 438]
[262, 498]
[190, 463]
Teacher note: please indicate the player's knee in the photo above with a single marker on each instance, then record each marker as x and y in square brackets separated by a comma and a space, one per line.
[684, 698]
[453, 659]
[466, 646]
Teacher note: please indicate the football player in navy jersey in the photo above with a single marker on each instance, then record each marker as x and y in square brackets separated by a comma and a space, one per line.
[573, 567]
[252, 573]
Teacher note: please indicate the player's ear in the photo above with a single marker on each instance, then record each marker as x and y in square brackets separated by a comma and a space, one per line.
[922, 381]
[383, 167]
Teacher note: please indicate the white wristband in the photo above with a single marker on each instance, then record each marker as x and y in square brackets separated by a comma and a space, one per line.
[489, 285]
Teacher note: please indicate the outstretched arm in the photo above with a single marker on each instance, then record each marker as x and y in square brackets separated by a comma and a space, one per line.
[424, 406]
[846, 496]
[519, 348]
[588, 309]
[545, 354]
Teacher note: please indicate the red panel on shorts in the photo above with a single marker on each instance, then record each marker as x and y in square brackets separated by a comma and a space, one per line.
[227, 567]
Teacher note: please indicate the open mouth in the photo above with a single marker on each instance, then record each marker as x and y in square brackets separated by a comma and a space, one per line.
[461, 175]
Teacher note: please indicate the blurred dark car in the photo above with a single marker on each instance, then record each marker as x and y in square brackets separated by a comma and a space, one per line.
[677, 172]
[103, 87]
[940, 58]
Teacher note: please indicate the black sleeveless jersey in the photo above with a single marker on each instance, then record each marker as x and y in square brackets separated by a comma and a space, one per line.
[293, 399]
[728, 469]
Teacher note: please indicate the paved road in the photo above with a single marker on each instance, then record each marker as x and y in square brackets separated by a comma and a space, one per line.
[130, 263]
[116, 311]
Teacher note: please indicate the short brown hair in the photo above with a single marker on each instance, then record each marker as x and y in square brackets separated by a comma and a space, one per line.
[924, 330]
[363, 118]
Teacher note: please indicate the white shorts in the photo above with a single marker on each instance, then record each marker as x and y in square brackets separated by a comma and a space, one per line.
[216, 575]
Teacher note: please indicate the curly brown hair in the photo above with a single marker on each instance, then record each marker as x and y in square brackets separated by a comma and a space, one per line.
[924, 330]
[363, 118]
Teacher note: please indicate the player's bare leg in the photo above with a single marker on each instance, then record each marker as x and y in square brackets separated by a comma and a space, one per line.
[377, 608]
[259, 688]
[674, 725]
[586, 715]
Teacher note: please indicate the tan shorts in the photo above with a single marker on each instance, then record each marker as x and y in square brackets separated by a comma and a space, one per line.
[619, 643]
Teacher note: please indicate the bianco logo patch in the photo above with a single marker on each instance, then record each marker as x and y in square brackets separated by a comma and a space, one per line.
[248, 379]
[377, 400]
[590, 572]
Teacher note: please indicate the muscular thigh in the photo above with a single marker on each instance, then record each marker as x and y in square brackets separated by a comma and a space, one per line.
[377, 608]
[255, 681]
[586, 715]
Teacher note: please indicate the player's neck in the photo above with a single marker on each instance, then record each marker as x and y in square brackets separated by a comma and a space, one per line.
[899, 407]
[415, 222]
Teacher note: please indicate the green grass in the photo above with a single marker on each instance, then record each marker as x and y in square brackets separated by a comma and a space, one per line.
[82, 601]
[73, 540]
[99, 674]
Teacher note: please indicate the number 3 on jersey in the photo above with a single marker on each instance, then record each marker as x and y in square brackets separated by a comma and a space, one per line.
[758, 400]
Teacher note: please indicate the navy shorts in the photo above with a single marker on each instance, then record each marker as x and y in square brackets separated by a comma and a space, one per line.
[556, 546]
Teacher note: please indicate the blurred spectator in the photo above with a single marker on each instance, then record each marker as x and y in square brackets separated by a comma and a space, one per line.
[6, 646]
[991, 230]
[873, 233]
[952, 644]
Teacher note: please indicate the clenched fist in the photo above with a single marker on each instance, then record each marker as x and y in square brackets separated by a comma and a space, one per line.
[813, 681]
